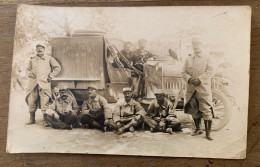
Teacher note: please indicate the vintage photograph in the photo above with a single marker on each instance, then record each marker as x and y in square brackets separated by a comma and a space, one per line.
[150, 81]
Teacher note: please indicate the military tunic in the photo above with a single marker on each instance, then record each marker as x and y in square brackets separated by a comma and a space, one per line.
[162, 113]
[97, 108]
[198, 66]
[67, 111]
[125, 112]
[39, 89]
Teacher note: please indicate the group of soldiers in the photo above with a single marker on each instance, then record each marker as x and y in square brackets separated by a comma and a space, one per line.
[61, 111]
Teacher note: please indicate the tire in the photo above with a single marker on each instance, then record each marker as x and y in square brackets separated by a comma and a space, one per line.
[221, 116]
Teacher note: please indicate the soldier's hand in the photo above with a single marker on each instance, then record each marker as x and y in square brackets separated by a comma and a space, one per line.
[118, 124]
[138, 117]
[31, 75]
[196, 82]
[106, 122]
[191, 81]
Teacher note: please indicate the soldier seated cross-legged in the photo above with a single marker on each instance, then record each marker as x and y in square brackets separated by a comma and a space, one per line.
[128, 113]
[62, 113]
[160, 116]
[96, 113]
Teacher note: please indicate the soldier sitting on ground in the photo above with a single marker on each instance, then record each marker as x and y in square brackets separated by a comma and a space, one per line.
[160, 115]
[95, 112]
[62, 113]
[128, 113]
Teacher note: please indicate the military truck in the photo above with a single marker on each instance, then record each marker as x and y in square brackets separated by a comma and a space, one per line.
[87, 58]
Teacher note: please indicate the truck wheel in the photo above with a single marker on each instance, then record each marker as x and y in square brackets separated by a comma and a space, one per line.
[222, 110]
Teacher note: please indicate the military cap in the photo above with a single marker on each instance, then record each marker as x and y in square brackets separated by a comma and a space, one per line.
[196, 40]
[142, 40]
[128, 43]
[127, 89]
[92, 87]
[158, 91]
[62, 87]
[40, 44]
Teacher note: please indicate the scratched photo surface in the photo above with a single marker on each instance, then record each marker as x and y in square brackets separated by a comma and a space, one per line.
[150, 81]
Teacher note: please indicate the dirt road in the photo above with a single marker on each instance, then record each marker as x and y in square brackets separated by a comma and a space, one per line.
[227, 142]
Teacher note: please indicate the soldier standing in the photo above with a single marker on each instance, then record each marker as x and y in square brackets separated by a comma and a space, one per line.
[41, 70]
[128, 113]
[197, 72]
[95, 111]
[160, 115]
[141, 57]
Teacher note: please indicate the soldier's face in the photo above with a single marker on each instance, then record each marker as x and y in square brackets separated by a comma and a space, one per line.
[142, 45]
[63, 94]
[159, 97]
[92, 92]
[196, 47]
[128, 95]
[40, 51]
[127, 47]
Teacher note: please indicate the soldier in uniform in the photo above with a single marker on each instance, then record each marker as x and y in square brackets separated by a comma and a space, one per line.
[141, 57]
[197, 72]
[125, 58]
[41, 70]
[95, 112]
[62, 113]
[160, 115]
[128, 113]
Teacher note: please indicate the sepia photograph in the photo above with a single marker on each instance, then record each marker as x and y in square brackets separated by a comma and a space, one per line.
[168, 81]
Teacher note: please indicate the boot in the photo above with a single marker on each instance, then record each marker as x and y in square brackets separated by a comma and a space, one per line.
[68, 127]
[208, 129]
[197, 131]
[32, 119]
[96, 125]
[45, 123]
[169, 130]
[110, 124]
[132, 129]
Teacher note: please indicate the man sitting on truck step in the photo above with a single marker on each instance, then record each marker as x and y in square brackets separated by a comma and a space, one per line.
[96, 112]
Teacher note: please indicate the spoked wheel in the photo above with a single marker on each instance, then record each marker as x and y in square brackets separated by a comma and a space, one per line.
[222, 110]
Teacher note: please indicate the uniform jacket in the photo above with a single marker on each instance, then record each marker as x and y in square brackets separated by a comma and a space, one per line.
[99, 103]
[62, 106]
[198, 66]
[128, 58]
[162, 111]
[124, 110]
[39, 68]
[142, 56]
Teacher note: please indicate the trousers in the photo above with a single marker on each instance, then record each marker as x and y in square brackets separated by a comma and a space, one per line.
[63, 121]
[38, 98]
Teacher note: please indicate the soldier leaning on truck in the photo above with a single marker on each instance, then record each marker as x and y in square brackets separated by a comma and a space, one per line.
[41, 70]
[197, 72]
[128, 113]
[95, 112]
[160, 115]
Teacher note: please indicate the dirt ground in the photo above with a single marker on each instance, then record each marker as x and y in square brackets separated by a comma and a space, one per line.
[229, 142]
